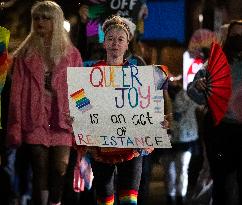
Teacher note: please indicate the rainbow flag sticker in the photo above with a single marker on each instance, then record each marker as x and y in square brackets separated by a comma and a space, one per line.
[82, 102]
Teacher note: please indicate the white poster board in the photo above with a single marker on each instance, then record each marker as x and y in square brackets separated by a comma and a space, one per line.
[116, 107]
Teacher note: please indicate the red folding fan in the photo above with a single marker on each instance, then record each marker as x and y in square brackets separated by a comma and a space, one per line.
[218, 77]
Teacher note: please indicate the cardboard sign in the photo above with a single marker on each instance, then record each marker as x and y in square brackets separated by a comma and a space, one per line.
[115, 106]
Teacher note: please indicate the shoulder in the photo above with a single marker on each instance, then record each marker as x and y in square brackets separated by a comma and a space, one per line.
[24, 52]
[72, 50]
[100, 63]
[136, 60]
[73, 53]
[25, 56]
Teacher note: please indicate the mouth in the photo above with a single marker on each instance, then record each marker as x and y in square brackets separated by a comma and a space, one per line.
[40, 27]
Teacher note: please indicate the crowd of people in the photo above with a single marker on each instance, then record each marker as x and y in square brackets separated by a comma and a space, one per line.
[39, 156]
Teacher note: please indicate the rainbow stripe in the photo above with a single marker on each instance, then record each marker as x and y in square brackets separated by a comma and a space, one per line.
[128, 196]
[82, 102]
[5, 60]
[106, 201]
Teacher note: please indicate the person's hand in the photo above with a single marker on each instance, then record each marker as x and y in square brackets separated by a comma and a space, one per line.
[143, 13]
[83, 12]
[148, 150]
[167, 121]
[165, 124]
[72, 119]
[201, 84]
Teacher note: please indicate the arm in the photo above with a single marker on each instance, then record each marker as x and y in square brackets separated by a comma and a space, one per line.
[76, 61]
[14, 127]
[143, 13]
[167, 103]
[167, 110]
[76, 58]
[195, 89]
[83, 12]
[161, 83]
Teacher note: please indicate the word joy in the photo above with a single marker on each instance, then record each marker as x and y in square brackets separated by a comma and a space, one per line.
[128, 86]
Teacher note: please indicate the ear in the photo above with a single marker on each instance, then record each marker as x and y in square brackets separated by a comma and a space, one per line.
[104, 45]
[127, 48]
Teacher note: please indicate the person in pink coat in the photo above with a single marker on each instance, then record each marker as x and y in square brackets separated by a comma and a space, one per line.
[38, 109]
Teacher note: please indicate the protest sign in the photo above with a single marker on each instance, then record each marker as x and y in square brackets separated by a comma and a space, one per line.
[115, 106]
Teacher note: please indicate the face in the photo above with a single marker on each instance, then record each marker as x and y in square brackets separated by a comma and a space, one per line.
[236, 30]
[235, 37]
[116, 43]
[43, 25]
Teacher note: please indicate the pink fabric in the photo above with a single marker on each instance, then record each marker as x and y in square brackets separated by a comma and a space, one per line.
[31, 111]
[83, 175]
[55, 203]
[86, 172]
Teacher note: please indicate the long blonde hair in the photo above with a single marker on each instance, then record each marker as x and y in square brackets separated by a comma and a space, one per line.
[60, 39]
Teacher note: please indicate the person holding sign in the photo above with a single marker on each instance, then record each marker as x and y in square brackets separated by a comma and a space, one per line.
[92, 15]
[38, 108]
[126, 161]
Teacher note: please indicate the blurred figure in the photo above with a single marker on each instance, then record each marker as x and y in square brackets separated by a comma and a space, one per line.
[223, 142]
[200, 181]
[7, 156]
[184, 139]
[200, 43]
[38, 108]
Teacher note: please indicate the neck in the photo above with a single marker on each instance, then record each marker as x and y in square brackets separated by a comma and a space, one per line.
[115, 61]
[47, 40]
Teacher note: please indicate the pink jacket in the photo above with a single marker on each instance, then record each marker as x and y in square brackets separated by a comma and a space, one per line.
[26, 108]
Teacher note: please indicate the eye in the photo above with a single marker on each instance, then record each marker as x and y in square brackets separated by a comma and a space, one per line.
[235, 35]
[41, 17]
[121, 39]
[46, 18]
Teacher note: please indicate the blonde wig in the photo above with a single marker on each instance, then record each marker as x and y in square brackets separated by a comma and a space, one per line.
[60, 39]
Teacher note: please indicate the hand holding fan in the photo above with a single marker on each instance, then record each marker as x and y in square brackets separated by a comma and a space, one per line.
[218, 77]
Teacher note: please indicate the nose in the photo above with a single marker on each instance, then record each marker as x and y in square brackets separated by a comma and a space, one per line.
[115, 42]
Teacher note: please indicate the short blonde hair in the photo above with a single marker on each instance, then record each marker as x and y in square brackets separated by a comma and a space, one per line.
[119, 22]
